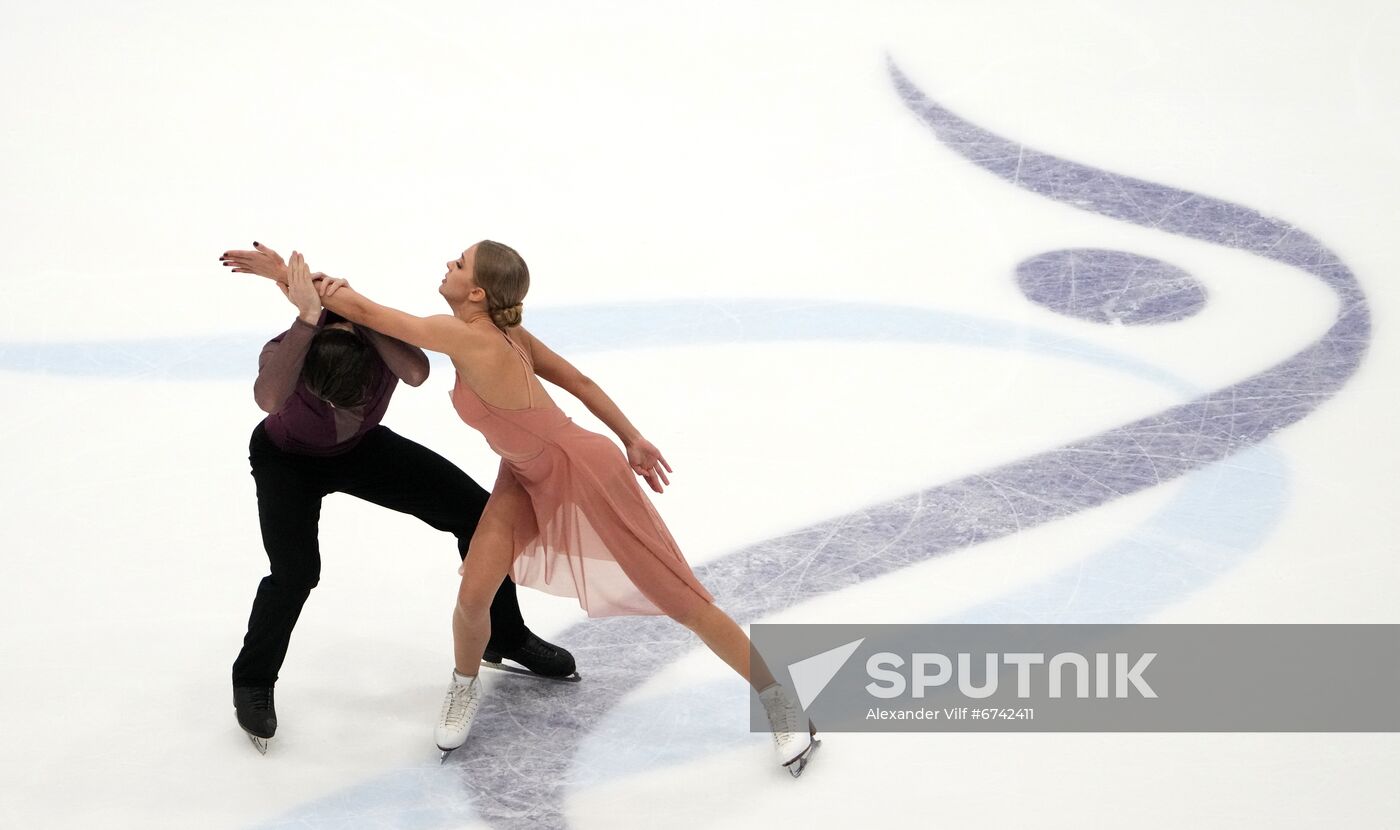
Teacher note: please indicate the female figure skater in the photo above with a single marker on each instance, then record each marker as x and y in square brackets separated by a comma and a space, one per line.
[565, 515]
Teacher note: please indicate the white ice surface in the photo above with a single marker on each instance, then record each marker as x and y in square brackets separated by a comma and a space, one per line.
[634, 151]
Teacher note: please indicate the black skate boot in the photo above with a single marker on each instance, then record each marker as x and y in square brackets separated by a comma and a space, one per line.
[538, 657]
[256, 714]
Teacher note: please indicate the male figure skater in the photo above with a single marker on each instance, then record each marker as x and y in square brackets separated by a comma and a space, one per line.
[325, 385]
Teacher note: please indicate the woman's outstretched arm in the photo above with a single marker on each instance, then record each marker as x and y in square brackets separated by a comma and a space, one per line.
[438, 333]
[644, 457]
[407, 362]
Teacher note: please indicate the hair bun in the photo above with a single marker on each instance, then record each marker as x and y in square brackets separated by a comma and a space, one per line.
[508, 316]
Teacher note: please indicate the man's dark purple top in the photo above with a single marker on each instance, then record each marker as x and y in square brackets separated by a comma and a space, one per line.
[302, 423]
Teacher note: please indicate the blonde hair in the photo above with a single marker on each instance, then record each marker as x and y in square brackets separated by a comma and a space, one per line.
[504, 276]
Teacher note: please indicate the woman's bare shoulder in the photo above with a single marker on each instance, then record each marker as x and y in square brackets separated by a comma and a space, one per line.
[469, 331]
[523, 336]
[480, 340]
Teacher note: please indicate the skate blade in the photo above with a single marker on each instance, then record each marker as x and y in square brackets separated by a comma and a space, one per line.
[259, 743]
[445, 753]
[798, 764]
[506, 667]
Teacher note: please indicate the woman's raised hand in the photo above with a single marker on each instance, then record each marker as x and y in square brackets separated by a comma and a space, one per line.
[262, 261]
[301, 291]
[646, 461]
[329, 285]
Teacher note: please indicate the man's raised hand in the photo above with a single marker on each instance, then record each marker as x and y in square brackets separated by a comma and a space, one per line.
[301, 291]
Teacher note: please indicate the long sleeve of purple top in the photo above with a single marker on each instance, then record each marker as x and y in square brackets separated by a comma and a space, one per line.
[281, 361]
[408, 363]
[279, 365]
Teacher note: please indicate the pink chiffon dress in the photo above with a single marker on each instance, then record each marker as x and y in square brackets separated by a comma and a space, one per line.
[587, 530]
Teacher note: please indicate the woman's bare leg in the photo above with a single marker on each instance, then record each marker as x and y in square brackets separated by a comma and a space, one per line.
[791, 742]
[488, 561]
[726, 639]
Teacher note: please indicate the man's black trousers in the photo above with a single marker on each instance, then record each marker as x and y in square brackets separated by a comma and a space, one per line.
[384, 468]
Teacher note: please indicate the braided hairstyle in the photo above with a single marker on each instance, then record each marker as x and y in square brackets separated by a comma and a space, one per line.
[504, 276]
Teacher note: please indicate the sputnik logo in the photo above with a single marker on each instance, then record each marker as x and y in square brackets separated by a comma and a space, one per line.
[811, 676]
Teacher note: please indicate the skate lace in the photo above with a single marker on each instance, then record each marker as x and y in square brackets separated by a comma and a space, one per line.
[782, 717]
[260, 698]
[460, 704]
[529, 646]
[535, 647]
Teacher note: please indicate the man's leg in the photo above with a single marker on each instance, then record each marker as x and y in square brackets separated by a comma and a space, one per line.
[289, 510]
[394, 472]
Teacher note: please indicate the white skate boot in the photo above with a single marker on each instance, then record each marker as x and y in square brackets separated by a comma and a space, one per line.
[458, 711]
[793, 744]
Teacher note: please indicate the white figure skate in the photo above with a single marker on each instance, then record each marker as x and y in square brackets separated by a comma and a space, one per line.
[792, 743]
[458, 710]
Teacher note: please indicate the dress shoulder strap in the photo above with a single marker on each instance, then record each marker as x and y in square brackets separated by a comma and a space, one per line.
[529, 366]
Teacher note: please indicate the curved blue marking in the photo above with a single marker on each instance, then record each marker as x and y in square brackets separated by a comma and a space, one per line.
[596, 328]
[1221, 515]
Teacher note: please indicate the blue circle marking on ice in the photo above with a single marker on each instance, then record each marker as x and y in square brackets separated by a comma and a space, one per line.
[1114, 287]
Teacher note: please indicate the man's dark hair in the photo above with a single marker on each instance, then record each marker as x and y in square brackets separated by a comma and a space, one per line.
[340, 367]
